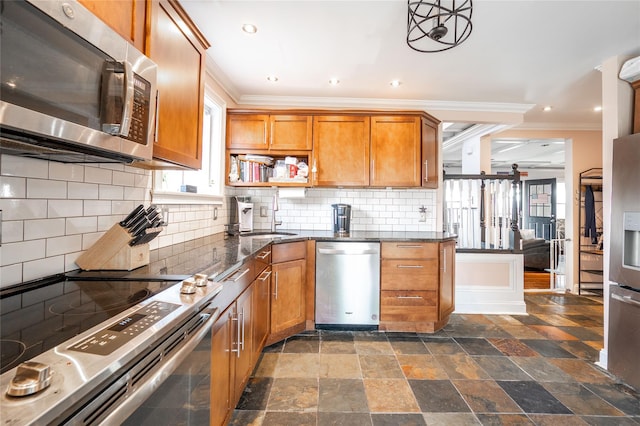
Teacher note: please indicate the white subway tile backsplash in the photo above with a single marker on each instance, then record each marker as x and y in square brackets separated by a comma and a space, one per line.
[23, 166]
[22, 251]
[138, 194]
[123, 207]
[20, 209]
[98, 175]
[13, 187]
[82, 191]
[123, 178]
[97, 207]
[43, 228]
[62, 245]
[12, 231]
[64, 208]
[42, 268]
[89, 239]
[81, 225]
[11, 274]
[110, 192]
[41, 188]
[68, 172]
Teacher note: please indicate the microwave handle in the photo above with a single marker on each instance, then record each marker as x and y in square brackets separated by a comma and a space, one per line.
[129, 92]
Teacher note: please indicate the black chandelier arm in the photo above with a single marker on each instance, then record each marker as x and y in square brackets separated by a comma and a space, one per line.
[450, 24]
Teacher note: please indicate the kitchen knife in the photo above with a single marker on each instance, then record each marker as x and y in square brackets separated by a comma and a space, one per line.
[126, 222]
[140, 227]
[148, 235]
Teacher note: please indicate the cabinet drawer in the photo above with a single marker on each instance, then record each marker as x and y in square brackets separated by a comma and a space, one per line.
[286, 252]
[409, 250]
[409, 274]
[263, 259]
[408, 306]
[243, 276]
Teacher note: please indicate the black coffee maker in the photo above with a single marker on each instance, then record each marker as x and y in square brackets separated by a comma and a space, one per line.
[341, 218]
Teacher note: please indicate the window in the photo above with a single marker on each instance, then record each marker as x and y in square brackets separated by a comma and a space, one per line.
[171, 185]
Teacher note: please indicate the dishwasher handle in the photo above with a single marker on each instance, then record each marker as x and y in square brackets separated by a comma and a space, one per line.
[349, 252]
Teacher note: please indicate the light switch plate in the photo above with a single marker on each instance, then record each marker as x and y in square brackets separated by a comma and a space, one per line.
[263, 211]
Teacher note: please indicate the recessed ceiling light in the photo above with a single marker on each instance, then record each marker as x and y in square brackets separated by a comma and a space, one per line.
[272, 78]
[597, 108]
[334, 81]
[395, 83]
[547, 108]
[249, 28]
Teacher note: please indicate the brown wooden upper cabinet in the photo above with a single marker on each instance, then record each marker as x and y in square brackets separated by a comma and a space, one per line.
[126, 17]
[178, 47]
[430, 168]
[274, 132]
[395, 151]
[341, 150]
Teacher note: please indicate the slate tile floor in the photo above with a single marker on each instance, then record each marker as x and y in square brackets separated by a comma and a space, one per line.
[480, 369]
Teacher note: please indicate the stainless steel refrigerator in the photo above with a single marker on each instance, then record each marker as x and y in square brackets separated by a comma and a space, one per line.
[624, 266]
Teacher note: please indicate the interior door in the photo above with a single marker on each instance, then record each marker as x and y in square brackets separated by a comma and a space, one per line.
[540, 207]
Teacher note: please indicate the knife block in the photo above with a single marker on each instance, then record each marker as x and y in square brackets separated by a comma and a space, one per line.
[113, 252]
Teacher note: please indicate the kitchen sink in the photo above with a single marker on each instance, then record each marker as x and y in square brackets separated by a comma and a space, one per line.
[267, 234]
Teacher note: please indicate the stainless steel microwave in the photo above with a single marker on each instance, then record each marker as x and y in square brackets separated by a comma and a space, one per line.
[72, 89]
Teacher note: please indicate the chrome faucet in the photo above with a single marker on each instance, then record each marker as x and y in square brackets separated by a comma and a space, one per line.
[275, 222]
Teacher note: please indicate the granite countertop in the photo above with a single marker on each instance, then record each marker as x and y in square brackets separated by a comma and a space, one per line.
[219, 255]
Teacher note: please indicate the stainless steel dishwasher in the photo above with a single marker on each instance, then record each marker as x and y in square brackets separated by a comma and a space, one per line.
[347, 284]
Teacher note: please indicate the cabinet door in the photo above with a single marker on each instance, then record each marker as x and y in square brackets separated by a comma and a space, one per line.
[341, 150]
[396, 151]
[178, 48]
[287, 295]
[222, 364]
[430, 168]
[447, 279]
[126, 17]
[291, 132]
[244, 338]
[261, 310]
[248, 131]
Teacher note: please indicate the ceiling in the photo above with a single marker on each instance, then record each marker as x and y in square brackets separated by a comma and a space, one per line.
[522, 55]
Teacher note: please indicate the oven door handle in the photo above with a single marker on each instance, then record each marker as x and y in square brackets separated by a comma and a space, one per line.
[625, 299]
[151, 383]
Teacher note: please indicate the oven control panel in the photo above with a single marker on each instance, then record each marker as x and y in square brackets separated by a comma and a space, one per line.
[117, 334]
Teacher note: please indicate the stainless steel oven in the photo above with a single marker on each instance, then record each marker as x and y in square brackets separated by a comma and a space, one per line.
[73, 90]
[91, 352]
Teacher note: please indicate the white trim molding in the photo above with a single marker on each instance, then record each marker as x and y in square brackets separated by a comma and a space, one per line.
[168, 197]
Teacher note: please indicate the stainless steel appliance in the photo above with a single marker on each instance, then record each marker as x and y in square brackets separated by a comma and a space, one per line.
[624, 267]
[245, 216]
[341, 218]
[347, 284]
[72, 89]
[235, 213]
[99, 348]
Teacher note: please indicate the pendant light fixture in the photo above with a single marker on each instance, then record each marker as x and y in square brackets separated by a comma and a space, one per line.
[437, 25]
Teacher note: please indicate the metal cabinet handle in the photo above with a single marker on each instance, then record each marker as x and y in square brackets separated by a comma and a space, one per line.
[261, 278]
[426, 170]
[444, 261]
[242, 340]
[237, 342]
[276, 286]
[625, 299]
[241, 275]
[408, 297]
[409, 246]
[409, 266]
[264, 255]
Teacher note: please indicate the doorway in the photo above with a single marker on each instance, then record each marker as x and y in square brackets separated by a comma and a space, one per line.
[540, 207]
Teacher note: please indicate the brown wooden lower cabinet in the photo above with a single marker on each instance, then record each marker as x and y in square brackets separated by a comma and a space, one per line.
[417, 285]
[222, 364]
[288, 295]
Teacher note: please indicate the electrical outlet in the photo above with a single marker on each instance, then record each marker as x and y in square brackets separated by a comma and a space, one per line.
[215, 213]
[263, 211]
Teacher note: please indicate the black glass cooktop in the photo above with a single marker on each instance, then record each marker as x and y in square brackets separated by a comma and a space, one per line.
[42, 317]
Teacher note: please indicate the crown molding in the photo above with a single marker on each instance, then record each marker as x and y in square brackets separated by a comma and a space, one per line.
[426, 105]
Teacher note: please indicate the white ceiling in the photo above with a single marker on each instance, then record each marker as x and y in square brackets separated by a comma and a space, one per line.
[521, 55]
